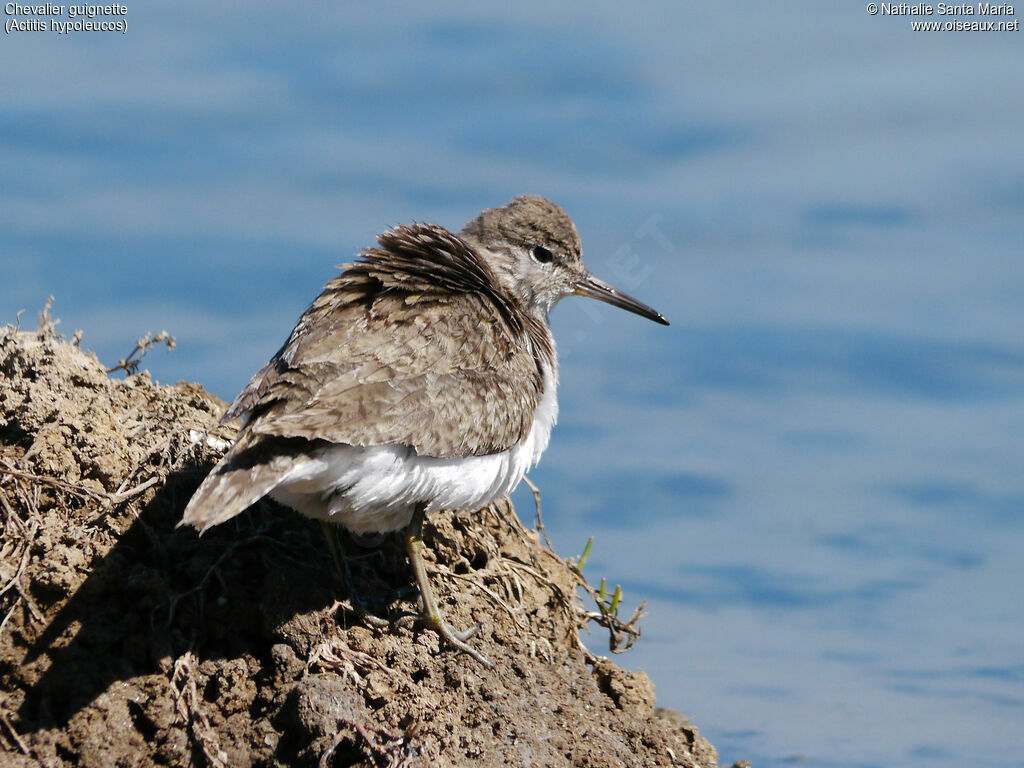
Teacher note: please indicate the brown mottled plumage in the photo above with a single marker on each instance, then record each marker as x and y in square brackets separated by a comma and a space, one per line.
[417, 345]
[422, 377]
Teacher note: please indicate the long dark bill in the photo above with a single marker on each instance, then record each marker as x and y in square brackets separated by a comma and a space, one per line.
[600, 290]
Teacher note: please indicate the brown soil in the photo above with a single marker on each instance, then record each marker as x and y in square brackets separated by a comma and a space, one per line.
[128, 642]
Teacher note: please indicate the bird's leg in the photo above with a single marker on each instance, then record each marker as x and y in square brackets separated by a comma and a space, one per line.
[332, 544]
[341, 565]
[430, 615]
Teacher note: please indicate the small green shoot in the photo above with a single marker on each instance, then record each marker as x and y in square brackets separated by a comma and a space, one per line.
[577, 566]
[616, 599]
[623, 633]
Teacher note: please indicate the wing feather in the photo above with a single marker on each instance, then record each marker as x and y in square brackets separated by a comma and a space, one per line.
[413, 345]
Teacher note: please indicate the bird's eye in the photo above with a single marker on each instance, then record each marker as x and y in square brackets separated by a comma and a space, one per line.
[542, 254]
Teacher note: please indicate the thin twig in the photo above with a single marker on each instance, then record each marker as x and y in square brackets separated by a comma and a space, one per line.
[622, 634]
[385, 751]
[130, 364]
[21, 568]
[325, 758]
[494, 597]
[123, 496]
[540, 518]
[16, 581]
[212, 571]
[189, 705]
[335, 654]
[113, 500]
[77, 490]
[9, 614]
[14, 734]
[109, 500]
[11, 514]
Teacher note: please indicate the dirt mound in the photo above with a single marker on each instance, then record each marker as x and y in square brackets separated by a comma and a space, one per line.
[126, 642]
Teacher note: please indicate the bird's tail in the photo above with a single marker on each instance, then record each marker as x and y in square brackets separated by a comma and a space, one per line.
[245, 474]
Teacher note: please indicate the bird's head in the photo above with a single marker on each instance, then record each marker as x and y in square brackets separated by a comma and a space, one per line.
[534, 249]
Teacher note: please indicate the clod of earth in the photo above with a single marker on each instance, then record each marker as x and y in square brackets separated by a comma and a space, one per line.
[126, 642]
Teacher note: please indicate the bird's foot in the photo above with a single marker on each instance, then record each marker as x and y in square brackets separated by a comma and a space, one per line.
[356, 605]
[455, 638]
[371, 618]
[430, 615]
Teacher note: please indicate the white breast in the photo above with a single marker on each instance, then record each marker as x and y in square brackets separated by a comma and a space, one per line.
[374, 490]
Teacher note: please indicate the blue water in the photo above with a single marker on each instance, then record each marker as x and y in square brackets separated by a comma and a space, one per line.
[814, 476]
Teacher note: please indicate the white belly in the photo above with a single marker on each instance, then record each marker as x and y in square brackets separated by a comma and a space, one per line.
[375, 489]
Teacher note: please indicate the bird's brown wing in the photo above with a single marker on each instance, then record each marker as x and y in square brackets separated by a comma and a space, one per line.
[402, 350]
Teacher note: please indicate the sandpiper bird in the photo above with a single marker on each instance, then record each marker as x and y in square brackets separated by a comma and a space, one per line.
[423, 377]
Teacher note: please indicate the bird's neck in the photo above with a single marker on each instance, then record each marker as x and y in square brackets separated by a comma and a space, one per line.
[531, 307]
[512, 284]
